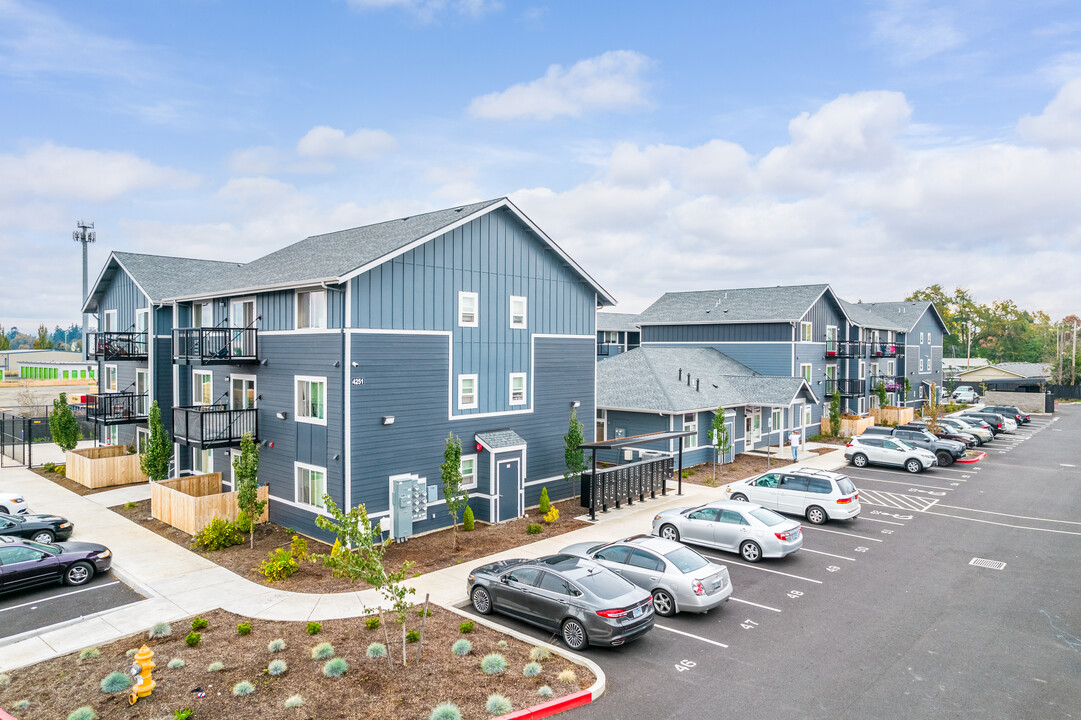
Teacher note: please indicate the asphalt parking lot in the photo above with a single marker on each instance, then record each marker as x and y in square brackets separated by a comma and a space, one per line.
[887, 616]
[50, 604]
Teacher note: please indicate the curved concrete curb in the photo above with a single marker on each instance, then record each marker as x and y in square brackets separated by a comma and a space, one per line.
[979, 455]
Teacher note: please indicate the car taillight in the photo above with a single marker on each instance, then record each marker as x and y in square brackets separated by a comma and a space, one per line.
[848, 445]
[783, 535]
[843, 501]
[696, 585]
[613, 613]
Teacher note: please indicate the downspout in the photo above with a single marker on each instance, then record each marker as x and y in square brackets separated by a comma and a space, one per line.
[345, 380]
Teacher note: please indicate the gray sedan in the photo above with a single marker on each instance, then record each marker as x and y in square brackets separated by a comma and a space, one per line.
[751, 530]
[581, 600]
[680, 579]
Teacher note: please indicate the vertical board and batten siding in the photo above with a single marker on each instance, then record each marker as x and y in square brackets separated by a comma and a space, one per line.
[276, 310]
[162, 378]
[823, 313]
[930, 352]
[125, 297]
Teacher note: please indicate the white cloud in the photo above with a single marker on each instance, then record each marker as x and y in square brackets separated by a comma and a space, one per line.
[612, 81]
[327, 142]
[1060, 123]
[914, 31]
[427, 10]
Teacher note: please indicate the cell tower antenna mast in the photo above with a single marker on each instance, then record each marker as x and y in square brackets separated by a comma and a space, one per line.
[84, 234]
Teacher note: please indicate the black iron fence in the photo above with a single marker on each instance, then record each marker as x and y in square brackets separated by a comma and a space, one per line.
[117, 345]
[614, 485]
[844, 349]
[117, 408]
[847, 387]
[213, 426]
[887, 350]
[1066, 392]
[210, 346]
[23, 427]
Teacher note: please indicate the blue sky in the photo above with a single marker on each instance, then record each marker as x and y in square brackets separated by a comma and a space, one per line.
[876, 146]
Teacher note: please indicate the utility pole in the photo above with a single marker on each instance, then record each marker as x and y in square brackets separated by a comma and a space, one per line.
[968, 339]
[1073, 365]
[84, 234]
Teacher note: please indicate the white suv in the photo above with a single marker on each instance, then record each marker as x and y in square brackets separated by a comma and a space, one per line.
[864, 450]
[966, 394]
[818, 495]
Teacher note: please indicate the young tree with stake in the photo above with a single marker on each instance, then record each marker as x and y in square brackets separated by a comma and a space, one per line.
[721, 439]
[573, 454]
[246, 475]
[457, 498]
[154, 462]
[62, 424]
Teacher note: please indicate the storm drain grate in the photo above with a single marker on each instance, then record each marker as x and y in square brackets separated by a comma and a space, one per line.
[992, 564]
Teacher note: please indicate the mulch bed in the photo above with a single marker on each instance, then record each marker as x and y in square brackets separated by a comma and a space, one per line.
[433, 551]
[742, 466]
[369, 689]
[70, 484]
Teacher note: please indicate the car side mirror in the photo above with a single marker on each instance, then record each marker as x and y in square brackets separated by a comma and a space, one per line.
[505, 579]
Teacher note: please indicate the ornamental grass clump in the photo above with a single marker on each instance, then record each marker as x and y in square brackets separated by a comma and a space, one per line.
[160, 630]
[276, 645]
[91, 653]
[568, 677]
[502, 644]
[539, 654]
[446, 711]
[493, 664]
[532, 669]
[243, 688]
[544, 691]
[376, 651]
[277, 667]
[20, 705]
[461, 647]
[116, 682]
[175, 664]
[497, 705]
[84, 713]
[336, 667]
[294, 701]
[5, 680]
[323, 651]
[216, 666]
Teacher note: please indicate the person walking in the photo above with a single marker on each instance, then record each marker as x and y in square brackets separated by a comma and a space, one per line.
[793, 440]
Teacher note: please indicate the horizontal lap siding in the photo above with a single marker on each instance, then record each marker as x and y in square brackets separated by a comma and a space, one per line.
[763, 358]
[742, 332]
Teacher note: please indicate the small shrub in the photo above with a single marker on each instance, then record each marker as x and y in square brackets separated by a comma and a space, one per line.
[568, 677]
[493, 664]
[242, 522]
[131, 653]
[279, 565]
[276, 645]
[160, 630]
[497, 705]
[466, 627]
[217, 535]
[20, 705]
[294, 701]
[322, 651]
[422, 612]
[84, 713]
[48, 467]
[552, 516]
[533, 529]
[192, 639]
[60, 470]
[314, 628]
[130, 506]
[5, 680]
[461, 647]
[545, 691]
[116, 682]
[298, 548]
[412, 636]
[243, 688]
[199, 623]
[89, 654]
[469, 522]
[545, 504]
[376, 651]
[216, 666]
[335, 667]
[446, 711]
[175, 664]
[372, 623]
[277, 667]
[539, 654]
[182, 714]
[502, 644]
[243, 628]
[532, 669]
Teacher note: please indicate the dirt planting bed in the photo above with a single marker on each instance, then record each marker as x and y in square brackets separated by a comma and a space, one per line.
[743, 466]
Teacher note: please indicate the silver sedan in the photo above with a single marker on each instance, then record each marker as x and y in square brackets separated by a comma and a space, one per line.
[679, 579]
[751, 530]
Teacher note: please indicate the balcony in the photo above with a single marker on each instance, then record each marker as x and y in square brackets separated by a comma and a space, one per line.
[116, 345]
[885, 350]
[893, 383]
[117, 408]
[213, 426]
[847, 387]
[216, 346]
[609, 349]
[844, 349]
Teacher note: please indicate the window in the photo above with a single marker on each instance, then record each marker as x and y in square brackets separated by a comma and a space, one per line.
[889, 367]
[66, 375]
[690, 424]
[921, 391]
[617, 554]
[242, 392]
[15, 555]
[731, 517]
[602, 421]
[807, 415]
[805, 371]
[819, 485]
[921, 338]
[863, 370]
[202, 461]
[110, 321]
[311, 309]
[467, 392]
[517, 312]
[467, 309]
[311, 393]
[554, 584]
[610, 336]
[928, 338]
[793, 482]
[861, 406]
[112, 435]
[468, 469]
[645, 560]
[775, 419]
[523, 576]
[202, 387]
[517, 388]
[202, 315]
[768, 481]
[142, 439]
[831, 339]
[110, 378]
[311, 485]
[806, 331]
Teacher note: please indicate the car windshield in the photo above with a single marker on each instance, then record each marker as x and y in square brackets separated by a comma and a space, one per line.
[11, 518]
[902, 444]
[686, 560]
[846, 486]
[46, 547]
[604, 584]
[595, 548]
[769, 517]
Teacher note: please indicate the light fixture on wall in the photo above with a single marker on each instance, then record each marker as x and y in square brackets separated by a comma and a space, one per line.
[283, 415]
[575, 403]
[388, 419]
[355, 364]
[337, 364]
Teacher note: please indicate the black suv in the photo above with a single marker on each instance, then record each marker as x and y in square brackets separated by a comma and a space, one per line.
[994, 419]
[1010, 411]
[946, 451]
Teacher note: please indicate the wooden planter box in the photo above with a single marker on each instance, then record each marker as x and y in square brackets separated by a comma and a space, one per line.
[893, 415]
[103, 467]
[190, 503]
[849, 428]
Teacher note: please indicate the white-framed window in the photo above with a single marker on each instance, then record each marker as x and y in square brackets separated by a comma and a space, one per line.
[467, 392]
[831, 338]
[921, 391]
[142, 391]
[806, 332]
[467, 309]
[242, 395]
[805, 371]
[111, 321]
[202, 315]
[202, 461]
[690, 424]
[202, 387]
[609, 336]
[468, 468]
[602, 424]
[110, 379]
[311, 398]
[921, 338]
[929, 340]
[807, 421]
[517, 389]
[311, 311]
[889, 367]
[311, 485]
[861, 408]
[142, 439]
[775, 419]
[112, 435]
[863, 370]
[517, 312]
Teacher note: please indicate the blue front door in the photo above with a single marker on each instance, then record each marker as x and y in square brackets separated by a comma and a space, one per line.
[508, 489]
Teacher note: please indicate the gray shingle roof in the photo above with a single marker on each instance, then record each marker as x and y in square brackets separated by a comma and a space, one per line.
[496, 439]
[1021, 369]
[655, 379]
[903, 315]
[617, 322]
[864, 315]
[784, 303]
[160, 276]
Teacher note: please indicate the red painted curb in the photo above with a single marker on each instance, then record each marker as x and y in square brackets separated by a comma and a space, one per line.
[5, 716]
[552, 707]
[980, 456]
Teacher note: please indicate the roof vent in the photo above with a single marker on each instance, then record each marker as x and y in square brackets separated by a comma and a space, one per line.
[681, 373]
[697, 385]
[714, 384]
[459, 209]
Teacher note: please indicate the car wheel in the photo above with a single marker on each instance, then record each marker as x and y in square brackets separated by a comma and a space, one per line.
[663, 603]
[574, 635]
[79, 574]
[482, 601]
[43, 537]
[816, 515]
[3, 510]
[740, 497]
[944, 459]
[859, 460]
[913, 465]
[669, 532]
[750, 551]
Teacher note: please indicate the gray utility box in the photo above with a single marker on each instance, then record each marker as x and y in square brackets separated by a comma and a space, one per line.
[408, 504]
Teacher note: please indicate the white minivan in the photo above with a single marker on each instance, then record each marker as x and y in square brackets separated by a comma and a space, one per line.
[818, 495]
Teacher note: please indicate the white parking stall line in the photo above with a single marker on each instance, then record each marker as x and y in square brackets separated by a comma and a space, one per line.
[775, 572]
[61, 595]
[892, 500]
[819, 552]
[888, 522]
[898, 482]
[1019, 517]
[1019, 527]
[838, 532]
[748, 602]
[687, 634]
[937, 469]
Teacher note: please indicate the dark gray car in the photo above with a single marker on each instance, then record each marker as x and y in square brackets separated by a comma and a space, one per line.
[946, 451]
[584, 602]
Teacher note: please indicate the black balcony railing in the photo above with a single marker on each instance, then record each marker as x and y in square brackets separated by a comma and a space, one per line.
[116, 345]
[844, 349]
[847, 387]
[216, 346]
[213, 426]
[887, 350]
[117, 408]
[609, 349]
[893, 383]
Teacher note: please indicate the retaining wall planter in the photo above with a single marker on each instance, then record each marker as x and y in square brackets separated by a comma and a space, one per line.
[103, 467]
[190, 503]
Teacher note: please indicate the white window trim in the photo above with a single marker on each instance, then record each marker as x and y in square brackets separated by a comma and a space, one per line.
[255, 390]
[145, 372]
[688, 426]
[112, 435]
[296, 309]
[525, 389]
[859, 406]
[297, 466]
[116, 378]
[206, 317]
[472, 485]
[111, 326]
[810, 332]
[197, 401]
[475, 404]
[476, 309]
[863, 370]
[807, 416]
[234, 322]
[297, 379]
[810, 371]
[196, 452]
[778, 415]
[145, 312]
[921, 338]
[602, 420]
[525, 310]
[141, 432]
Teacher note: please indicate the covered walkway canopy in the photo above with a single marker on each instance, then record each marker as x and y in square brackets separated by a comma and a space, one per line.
[646, 465]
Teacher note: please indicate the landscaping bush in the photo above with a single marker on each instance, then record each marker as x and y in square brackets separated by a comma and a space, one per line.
[568, 677]
[502, 644]
[84, 713]
[493, 664]
[412, 636]
[545, 504]
[130, 505]
[277, 667]
[446, 711]
[461, 647]
[322, 651]
[216, 666]
[298, 548]
[243, 628]
[242, 522]
[132, 653]
[497, 705]
[532, 669]
[89, 654]
[376, 651]
[539, 654]
[314, 628]
[217, 535]
[175, 664]
[372, 623]
[466, 627]
[469, 521]
[192, 639]
[276, 645]
[20, 705]
[48, 467]
[160, 630]
[336, 667]
[116, 682]
[200, 623]
[243, 688]
[279, 565]
[422, 612]
[533, 529]
[182, 714]
[294, 701]
[545, 691]
[5, 680]
[551, 516]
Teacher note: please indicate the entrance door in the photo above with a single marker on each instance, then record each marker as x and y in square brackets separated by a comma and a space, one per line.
[752, 430]
[142, 326]
[242, 319]
[509, 481]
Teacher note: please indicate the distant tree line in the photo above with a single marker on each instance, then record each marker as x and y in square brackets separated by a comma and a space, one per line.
[42, 339]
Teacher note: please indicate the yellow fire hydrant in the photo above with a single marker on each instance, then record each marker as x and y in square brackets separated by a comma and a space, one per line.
[140, 670]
